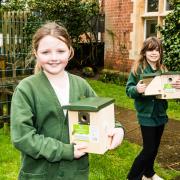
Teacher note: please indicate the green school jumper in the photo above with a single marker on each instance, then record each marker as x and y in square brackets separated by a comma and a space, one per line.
[39, 129]
[150, 111]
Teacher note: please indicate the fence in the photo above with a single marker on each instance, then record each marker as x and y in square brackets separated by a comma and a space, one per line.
[8, 82]
[13, 50]
[13, 38]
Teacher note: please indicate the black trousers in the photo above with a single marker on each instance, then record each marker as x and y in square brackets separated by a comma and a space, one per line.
[144, 162]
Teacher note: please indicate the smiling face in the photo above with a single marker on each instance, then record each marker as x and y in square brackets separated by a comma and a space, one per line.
[152, 56]
[152, 53]
[52, 54]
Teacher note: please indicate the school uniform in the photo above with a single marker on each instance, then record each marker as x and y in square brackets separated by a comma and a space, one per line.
[152, 116]
[39, 129]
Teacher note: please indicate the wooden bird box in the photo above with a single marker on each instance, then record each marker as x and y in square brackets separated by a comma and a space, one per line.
[160, 84]
[90, 120]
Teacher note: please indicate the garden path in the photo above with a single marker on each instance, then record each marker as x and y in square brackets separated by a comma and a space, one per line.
[169, 152]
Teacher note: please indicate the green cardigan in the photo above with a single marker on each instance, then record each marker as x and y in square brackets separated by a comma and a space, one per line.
[145, 105]
[39, 129]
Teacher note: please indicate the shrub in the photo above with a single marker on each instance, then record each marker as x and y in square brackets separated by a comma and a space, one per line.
[171, 41]
[113, 76]
[88, 71]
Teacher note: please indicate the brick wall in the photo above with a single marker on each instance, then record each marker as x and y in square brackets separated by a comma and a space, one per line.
[118, 27]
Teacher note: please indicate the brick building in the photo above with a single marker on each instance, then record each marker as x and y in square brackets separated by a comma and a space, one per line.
[127, 24]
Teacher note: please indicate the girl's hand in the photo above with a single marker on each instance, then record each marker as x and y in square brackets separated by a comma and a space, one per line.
[176, 84]
[117, 135]
[140, 87]
[79, 150]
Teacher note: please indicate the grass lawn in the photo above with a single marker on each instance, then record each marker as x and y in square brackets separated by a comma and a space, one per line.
[114, 165]
[9, 158]
[121, 100]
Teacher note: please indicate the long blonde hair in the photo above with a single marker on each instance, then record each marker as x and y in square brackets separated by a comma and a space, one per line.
[55, 30]
[149, 44]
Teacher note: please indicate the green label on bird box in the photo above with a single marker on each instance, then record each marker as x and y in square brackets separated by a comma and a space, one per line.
[168, 88]
[81, 132]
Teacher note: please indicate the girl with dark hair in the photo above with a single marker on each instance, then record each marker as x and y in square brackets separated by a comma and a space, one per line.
[151, 112]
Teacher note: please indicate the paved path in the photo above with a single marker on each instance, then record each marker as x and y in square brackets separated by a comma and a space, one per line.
[169, 152]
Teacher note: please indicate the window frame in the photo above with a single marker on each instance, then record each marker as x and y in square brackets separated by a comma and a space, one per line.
[145, 25]
[146, 7]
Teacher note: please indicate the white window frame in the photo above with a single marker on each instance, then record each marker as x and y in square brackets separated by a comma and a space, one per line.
[1, 39]
[145, 25]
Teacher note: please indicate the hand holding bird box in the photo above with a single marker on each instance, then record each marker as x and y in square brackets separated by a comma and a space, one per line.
[163, 85]
[90, 120]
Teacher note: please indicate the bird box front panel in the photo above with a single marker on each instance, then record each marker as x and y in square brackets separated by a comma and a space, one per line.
[92, 128]
[160, 85]
[168, 91]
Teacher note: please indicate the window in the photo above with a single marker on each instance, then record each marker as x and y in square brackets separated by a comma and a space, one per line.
[147, 16]
[152, 5]
[150, 27]
[168, 6]
[154, 13]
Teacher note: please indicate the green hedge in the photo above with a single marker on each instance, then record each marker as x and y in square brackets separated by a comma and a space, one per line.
[113, 76]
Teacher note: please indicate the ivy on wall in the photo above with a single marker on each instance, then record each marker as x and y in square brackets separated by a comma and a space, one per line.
[171, 38]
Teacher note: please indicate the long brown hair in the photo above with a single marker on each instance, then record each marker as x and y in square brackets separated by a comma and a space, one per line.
[53, 29]
[149, 44]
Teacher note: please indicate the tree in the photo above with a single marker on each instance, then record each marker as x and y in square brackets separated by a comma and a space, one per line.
[76, 15]
[14, 5]
[171, 38]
